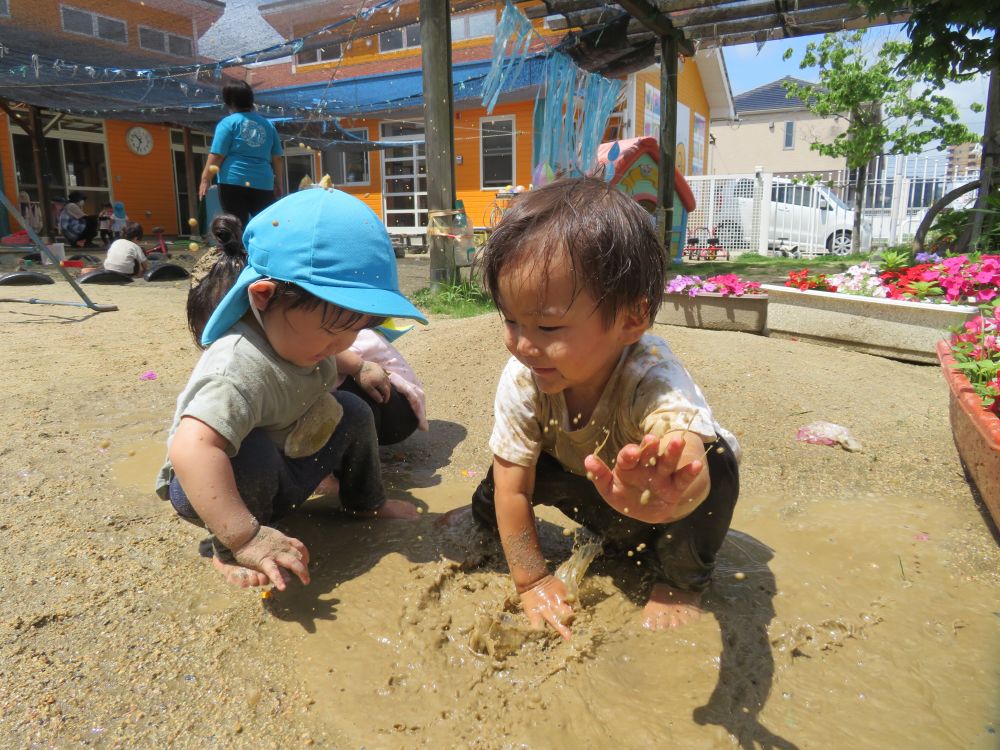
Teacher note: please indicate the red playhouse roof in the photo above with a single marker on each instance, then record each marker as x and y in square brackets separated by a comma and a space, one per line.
[630, 149]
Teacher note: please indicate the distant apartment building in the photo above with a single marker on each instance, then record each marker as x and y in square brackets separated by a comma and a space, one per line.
[965, 157]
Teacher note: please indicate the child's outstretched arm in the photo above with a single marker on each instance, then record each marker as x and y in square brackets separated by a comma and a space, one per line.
[657, 481]
[543, 596]
[198, 455]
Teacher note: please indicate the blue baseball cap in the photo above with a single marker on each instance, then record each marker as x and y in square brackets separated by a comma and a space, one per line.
[326, 242]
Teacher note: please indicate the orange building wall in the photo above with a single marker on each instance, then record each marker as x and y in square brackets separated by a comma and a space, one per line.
[7, 162]
[690, 92]
[145, 184]
[467, 145]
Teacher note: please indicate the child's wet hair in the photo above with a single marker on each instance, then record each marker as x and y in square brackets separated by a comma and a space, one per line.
[206, 296]
[609, 239]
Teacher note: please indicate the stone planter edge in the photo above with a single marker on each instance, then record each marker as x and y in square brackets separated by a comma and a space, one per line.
[714, 311]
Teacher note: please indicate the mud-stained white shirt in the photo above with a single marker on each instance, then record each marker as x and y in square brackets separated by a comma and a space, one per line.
[649, 392]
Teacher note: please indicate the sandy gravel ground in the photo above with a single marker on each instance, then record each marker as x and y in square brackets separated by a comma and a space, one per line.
[873, 573]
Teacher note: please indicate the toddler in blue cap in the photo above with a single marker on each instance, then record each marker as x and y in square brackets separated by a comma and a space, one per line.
[256, 428]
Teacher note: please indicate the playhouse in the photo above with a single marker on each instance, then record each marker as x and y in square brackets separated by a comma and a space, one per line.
[637, 174]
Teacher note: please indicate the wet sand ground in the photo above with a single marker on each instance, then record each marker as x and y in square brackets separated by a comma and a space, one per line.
[866, 612]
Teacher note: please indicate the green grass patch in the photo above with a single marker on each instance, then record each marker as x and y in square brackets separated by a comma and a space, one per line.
[765, 268]
[463, 300]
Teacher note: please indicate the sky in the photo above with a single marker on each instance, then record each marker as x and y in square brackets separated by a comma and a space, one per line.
[749, 69]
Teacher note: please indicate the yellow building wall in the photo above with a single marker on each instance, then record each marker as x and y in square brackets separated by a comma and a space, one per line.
[690, 92]
[145, 184]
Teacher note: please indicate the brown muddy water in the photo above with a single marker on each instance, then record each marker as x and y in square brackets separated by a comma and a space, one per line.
[410, 636]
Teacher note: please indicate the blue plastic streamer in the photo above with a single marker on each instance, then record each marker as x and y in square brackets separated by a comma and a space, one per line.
[515, 30]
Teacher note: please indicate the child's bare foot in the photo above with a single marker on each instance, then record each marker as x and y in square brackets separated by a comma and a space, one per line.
[455, 516]
[670, 608]
[329, 486]
[236, 575]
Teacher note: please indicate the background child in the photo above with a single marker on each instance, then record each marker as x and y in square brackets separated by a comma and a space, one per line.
[125, 256]
[577, 273]
[256, 428]
[119, 217]
[105, 219]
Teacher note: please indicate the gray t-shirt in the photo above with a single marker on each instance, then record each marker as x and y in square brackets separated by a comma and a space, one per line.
[241, 384]
[649, 392]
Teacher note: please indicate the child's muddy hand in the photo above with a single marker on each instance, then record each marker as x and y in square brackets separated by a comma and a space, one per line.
[545, 602]
[644, 484]
[375, 381]
[270, 551]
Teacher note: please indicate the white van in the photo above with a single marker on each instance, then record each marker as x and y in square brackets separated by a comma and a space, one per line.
[803, 218]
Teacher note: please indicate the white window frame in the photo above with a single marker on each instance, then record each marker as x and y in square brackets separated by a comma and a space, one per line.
[406, 38]
[363, 132]
[789, 135]
[463, 21]
[513, 151]
[93, 19]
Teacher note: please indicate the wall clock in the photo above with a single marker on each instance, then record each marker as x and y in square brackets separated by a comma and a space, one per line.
[139, 140]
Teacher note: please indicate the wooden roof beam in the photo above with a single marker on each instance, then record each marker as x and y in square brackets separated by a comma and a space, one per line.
[650, 17]
[743, 11]
[776, 21]
[760, 36]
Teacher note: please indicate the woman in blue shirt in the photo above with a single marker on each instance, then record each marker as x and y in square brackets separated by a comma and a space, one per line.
[246, 152]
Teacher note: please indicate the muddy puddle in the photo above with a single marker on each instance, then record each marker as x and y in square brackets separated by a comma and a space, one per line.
[863, 626]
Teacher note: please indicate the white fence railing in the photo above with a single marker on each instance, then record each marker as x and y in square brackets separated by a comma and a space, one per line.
[766, 212]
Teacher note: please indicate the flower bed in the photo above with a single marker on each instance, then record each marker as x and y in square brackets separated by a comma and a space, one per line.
[899, 312]
[885, 327]
[726, 303]
[975, 425]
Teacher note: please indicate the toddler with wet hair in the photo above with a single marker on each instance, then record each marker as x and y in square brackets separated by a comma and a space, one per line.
[593, 415]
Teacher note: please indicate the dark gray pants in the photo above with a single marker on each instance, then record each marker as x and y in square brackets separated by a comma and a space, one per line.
[273, 485]
[683, 552]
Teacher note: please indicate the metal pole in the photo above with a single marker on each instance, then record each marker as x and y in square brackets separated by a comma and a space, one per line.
[668, 139]
[439, 127]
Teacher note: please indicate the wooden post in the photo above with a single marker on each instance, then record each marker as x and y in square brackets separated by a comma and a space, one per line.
[189, 183]
[39, 160]
[990, 158]
[439, 126]
[668, 139]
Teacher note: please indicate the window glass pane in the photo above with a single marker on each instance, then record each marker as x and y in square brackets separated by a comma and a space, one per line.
[307, 58]
[78, 21]
[390, 40]
[497, 139]
[458, 28]
[413, 35]
[356, 167]
[111, 29]
[4, 8]
[482, 24]
[180, 46]
[85, 164]
[778, 193]
[789, 134]
[298, 166]
[330, 52]
[152, 39]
